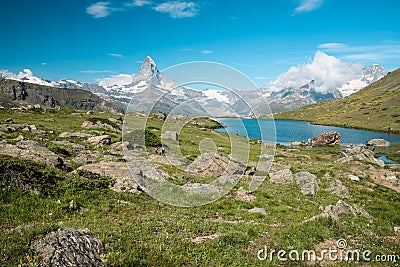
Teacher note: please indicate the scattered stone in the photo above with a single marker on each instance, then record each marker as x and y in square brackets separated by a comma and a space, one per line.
[354, 178]
[19, 138]
[202, 189]
[89, 112]
[170, 135]
[214, 164]
[37, 106]
[69, 247]
[115, 120]
[393, 180]
[202, 239]
[338, 189]
[325, 139]
[32, 150]
[396, 229]
[73, 206]
[258, 210]
[307, 182]
[117, 170]
[251, 171]
[9, 120]
[266, 156]
[243, 195]
[359, 211]
[76, 114]
[100, 140]
[99, 125]
[361, 153]
[161, 150]
[284, 176]
[87, 157]
[120, 146]
[75, 134]
[378, 143]
[69, 144]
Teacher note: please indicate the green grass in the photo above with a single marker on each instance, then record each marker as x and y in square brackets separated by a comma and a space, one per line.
[138, 230]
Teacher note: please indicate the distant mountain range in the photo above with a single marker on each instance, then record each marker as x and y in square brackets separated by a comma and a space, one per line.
[150, 90]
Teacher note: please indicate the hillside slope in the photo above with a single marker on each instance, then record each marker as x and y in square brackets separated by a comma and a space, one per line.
[375, 107]
[16, 94]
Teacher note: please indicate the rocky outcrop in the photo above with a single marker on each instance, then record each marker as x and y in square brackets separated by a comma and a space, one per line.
[360, 153]
[99, 125]
[117, 170]
[87, 157]
[330, 138]
[284, 176]
[119, 147]
[214, 164]
[338, 189]
[174, 136]
[341, 207]
[31, 150]
[307, 182]
[378, 143]
[100, 140]
[69, 247]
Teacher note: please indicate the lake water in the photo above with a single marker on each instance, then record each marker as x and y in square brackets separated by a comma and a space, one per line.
[284, 132]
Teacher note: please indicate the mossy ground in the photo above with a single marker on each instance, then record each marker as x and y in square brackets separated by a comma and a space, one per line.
[137, 230]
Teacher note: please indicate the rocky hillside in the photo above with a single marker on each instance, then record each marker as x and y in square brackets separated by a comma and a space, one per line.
[376, 107]
[16, 94]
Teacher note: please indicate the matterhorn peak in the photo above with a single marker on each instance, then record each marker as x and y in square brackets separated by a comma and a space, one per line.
[148, 69]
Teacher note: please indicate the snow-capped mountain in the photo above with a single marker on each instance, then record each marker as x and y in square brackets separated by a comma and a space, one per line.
[369, 75]
[150, 90]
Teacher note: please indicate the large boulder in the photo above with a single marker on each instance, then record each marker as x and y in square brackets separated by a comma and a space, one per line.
[378, 143]
[214, 164]
[360, 153]
[338, 189]
[307, 182]
[69, 247]
[31, 150]
[284, 176]
[329, 138]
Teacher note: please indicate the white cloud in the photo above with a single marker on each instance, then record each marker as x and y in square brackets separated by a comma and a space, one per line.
[206, 52]
[43, 63]
[187, 49]
[328, 72]
[332, 46]
[138, 3]
[99, 9]
[115, 55]
[307, 6]
[120, 79]
[22, 74]
[177, 9]
[25, 73]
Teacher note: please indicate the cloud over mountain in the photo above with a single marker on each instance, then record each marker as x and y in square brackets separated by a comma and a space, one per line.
[328, 72]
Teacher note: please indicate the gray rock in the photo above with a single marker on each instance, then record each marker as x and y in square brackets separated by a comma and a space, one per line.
[87, 157]
[213, 164]
[99, 125]
[360, 153]
[100, 140]
[32, 150]
[258, 210]
[354, 178]
[378, 143]
[338, 189]
[76, 114]
[170, 135]
[120, 147]
[307, 182]
[284, 176]
[341, 207]
[298, 144]
[69, 247]
[9, 120]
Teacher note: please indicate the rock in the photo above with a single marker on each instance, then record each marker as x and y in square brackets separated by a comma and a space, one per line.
[73, 206]
[284, 176]
[243, 195]
[89, 112]
[378, 143]
[161, 116]
[99, 125]
[87, 157]
[76, 114]
[266, 156]
[307, 182]
[75, 134]
[298, 144]
[117, 170]
[202, 189]
[396, 229]
[161, 150]
[360, 153]
[9, 120]
[37, 106]
[214, 164]
[69, 247]
[100, 140]
[325, 139]
[354, 178]
[359, 211]
[32, 150]
[170, 135]
[393, 180]
[338, 189]
[120, 146]
[202, 239]
[19, 138]
[258, 210]
[69, 144]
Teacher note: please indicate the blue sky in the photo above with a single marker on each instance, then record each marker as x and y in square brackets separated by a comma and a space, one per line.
[88, 40]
